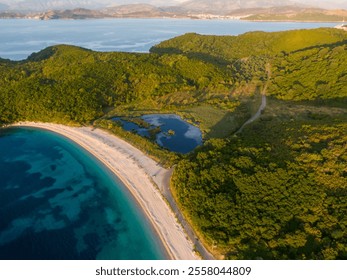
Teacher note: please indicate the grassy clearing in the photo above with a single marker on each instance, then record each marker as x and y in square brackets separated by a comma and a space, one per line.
[205, 116]
[214, 122]
[294, 111]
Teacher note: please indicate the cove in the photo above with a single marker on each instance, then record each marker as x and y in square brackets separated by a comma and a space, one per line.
[59, 202]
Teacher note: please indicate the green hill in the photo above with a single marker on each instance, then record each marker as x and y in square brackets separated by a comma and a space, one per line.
[66, 83]
[228, 48]
[306, 64]
[275, 192]
[316, 73]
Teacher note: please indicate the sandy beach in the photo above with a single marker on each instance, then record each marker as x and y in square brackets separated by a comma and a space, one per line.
[140, 174]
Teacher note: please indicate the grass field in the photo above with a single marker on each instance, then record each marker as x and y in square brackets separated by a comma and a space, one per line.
[294, 111]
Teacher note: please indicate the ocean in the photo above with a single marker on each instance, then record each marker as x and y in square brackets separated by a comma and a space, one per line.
[58, 202]
[21, 37]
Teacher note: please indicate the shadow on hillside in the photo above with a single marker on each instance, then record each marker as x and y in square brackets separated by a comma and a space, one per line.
[229, 124]
[330, 46]
[41, 55]
[192, 55]
[337, 102]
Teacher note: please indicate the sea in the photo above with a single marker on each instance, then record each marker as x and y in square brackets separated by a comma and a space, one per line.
[56, 200]
[21, 37]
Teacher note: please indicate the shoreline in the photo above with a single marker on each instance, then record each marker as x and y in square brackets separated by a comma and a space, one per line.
[187, 17]
[141, 176]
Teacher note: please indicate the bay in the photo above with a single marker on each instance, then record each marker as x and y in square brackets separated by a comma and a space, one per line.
[21, 37]
[58, 202]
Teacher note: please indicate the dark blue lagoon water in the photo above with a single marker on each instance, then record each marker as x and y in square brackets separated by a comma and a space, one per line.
[58, 202]
[185, 138]
[175, 134]
[21, 37]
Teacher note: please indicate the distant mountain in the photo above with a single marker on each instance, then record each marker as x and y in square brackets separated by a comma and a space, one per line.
[262, 10]
[69, 14]
[290, 13]
[216, 6]
[134, 10]
[331, 4]
[191, 6]
[226, 6]
[131, 11]
[45, 5]
[3, 7]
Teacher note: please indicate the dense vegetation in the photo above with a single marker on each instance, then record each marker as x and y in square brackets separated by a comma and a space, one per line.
[65, 83]
[278, 191]
[226, 49]
[293, 74]
[275, 191]
[305, 64]
[70, 84]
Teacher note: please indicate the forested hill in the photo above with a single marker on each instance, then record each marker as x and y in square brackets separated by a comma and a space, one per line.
[312, 73]
[305, 64]
[275, 191]
[278, 191]
[66, 83]
[229, 48]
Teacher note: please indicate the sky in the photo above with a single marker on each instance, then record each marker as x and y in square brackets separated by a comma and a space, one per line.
[329, 4]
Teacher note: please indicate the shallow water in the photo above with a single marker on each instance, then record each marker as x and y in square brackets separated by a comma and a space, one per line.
[58, 202]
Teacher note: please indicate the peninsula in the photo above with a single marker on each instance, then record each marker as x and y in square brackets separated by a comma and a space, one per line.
[274, 190]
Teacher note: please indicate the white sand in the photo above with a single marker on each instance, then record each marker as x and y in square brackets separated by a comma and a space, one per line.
[140, 174]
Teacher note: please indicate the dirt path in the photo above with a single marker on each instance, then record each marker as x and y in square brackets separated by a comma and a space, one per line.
[256, 115]
[166, 192]
[263, 102]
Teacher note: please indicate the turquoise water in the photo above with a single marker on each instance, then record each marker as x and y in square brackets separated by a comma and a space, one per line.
[21, 37]
[185, 138]
[58, 202]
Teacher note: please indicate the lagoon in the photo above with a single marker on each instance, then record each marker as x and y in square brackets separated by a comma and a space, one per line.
[21, 37]
[173, 133]
[58, 202]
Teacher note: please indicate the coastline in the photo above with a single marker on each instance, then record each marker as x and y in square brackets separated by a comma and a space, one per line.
[142, 177]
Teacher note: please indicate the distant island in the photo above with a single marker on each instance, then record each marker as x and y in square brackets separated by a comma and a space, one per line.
[276, 189]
